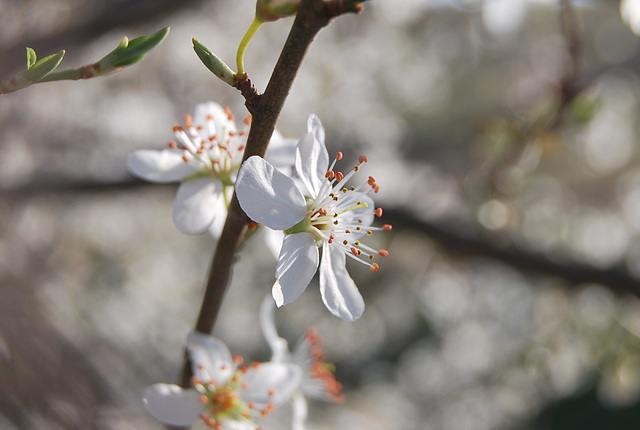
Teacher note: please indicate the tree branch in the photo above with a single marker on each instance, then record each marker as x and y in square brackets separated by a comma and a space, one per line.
[312, 16]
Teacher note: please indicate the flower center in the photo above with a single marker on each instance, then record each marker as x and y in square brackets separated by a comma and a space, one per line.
[341, 215]
[223, 401]
[213, 149]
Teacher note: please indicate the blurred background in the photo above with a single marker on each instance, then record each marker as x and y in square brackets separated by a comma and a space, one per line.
[503, 134]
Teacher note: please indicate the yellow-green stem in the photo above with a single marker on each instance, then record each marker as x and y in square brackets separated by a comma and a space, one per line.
[251, 31]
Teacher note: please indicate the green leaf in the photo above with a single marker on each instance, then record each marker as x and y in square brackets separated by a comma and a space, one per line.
[43, 67]
[213, 63]
[130, 52]
[35, 73]
[31, 57]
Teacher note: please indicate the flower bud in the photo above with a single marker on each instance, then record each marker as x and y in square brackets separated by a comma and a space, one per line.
[272, 10]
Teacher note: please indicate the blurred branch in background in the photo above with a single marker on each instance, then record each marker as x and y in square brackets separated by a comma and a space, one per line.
[455, 237]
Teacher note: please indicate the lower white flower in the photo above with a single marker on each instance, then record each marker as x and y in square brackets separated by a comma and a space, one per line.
[317, 382]
[319, 211]
[225, 395]
[205, 156]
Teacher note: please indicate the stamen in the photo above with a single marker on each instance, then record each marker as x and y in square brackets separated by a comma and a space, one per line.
[387, 227]
[339, 156]
[374, 267]
[383, 252]
[378, 212]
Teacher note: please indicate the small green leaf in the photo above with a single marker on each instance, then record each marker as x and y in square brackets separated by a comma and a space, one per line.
[43, 67]
[31, 57]
[35, 73]
[213, 63]
[130, 52]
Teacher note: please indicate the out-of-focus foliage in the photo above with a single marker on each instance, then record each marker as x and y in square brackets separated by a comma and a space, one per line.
[490, 118]
[125, 54]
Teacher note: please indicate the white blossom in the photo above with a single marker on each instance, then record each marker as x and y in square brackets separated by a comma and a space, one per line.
[317, 381]
[205, 157]
[318, 211]
[225, 395]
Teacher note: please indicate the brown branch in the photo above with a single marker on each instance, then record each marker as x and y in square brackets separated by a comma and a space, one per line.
[312, 16]
[469, 240]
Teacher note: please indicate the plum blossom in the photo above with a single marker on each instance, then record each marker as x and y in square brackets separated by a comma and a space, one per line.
[205, 157]
[318, 211]
[318, 381]
[225, 395]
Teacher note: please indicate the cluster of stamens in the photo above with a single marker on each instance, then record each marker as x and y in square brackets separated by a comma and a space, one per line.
[216, 152]
[320, 370]
[332, 217]
[223, 400]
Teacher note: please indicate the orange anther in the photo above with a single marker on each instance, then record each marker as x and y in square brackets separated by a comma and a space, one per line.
[374, 267]
[378, 212]
[383, 252]
[387, 227]
[339, 176]
[173, 144]
[339, 156]
[363, 159]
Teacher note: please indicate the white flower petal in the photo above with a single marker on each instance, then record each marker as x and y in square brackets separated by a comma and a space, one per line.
[158, 166]
[273, 240]
[173, 405]
[300, 411]
[281, 152]
[196, 204]
[271, 382]
[279, 346]
[220, 213]
[339, 293]
[297, 264]
[238, 424]
[268, 196]
[312, 163]
[314, 126]
[210, 358]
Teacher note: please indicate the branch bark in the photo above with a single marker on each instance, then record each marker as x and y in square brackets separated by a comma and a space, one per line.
[312, 16]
